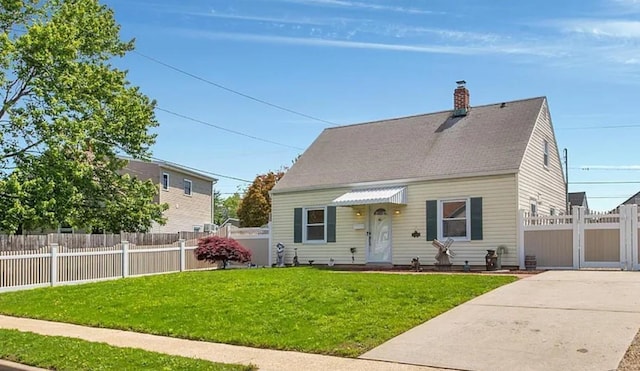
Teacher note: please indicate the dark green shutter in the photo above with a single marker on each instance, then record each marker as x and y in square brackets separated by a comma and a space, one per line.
[297, 225]
[432, 220]
[331, 224]
[476, 218]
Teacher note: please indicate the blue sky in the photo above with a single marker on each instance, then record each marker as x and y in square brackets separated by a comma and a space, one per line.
[349, 61]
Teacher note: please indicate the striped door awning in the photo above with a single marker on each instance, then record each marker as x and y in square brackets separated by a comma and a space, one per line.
[395, 195]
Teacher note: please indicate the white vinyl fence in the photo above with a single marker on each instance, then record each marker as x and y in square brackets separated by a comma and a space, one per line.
[582, 240]
[258, 240]
[58, 265]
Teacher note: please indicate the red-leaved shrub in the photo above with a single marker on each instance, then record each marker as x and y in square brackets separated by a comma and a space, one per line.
[221, 249]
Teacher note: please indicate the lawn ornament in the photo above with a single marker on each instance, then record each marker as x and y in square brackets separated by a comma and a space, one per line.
[280, 254]
[415, 264]
[296, 262]
[444, 253]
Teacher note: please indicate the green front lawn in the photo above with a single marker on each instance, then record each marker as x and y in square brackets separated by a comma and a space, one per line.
[301, 309]
[60, 353]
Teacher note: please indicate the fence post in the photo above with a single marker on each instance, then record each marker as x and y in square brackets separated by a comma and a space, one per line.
[521, 246]
[624, 233]
[635, 263]
[576, 219]
[54, 264]
[125, 259]
[183, 262]
[628, 234]
[270, 242]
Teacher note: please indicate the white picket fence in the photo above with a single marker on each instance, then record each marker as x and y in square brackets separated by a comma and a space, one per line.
[582, 240]
[58, 265]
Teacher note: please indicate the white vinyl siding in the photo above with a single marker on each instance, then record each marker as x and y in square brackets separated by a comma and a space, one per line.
[546, 186]
[499, 198]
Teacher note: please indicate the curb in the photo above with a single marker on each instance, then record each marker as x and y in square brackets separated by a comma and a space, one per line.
[12, 366]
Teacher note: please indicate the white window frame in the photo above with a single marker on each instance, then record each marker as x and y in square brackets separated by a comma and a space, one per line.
[545, 153]
[467, 201]
[305, 215]
[185, 188]
[165, 188]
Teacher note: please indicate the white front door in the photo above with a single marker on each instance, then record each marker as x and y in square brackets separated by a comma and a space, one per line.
[379, 236]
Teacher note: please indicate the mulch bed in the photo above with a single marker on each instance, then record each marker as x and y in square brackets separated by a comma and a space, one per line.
[631, 360]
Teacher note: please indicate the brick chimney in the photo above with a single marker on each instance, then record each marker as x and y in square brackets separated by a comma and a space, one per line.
[460, 99]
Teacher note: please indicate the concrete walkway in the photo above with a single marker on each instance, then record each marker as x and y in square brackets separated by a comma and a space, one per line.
[263, 358]
[564, 320]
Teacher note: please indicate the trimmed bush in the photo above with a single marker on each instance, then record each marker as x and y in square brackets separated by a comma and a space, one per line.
[221, 249]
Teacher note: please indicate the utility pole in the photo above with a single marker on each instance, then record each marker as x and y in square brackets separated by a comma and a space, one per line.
[566, 181]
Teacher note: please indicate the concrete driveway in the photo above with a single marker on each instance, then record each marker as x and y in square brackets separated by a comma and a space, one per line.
[558, 320]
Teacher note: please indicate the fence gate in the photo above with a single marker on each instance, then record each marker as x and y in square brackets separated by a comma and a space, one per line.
[583, 240]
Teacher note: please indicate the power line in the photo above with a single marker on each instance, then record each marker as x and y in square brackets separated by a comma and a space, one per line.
[608, 197]
[173, 163]
[608, 182]
[203, 171]
[608, 168]
[220, 86]
[225, 129]
[601, 127]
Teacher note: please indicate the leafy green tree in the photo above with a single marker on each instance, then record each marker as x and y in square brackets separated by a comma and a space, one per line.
[255, 206]
[231, 205]
[219, 213]
[225, 208]
[65, 113]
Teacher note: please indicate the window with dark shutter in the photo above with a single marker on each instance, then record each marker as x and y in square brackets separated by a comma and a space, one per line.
[297, 225]
[476, 218]
[432, 220]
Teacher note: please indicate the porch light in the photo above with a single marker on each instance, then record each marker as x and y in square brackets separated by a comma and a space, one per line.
[358, 213]
[396, 211]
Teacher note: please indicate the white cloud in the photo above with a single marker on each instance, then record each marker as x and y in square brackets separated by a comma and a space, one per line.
[363, 5]
[418, 48]
[603, 28]
[445, 34]
[268, 19]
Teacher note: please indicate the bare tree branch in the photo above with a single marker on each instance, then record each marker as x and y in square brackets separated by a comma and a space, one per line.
[22, 91]
[21, 151]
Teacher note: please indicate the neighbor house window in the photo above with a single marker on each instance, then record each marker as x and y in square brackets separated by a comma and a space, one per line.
[545, 157]
[314, 224]
[534, 208]
[187, 187]
[454, 219]
[552, 211]
[165, 181]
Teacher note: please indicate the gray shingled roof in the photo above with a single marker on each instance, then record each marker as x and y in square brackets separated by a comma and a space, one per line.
[490, 139]
[633, 200]
[577, 198]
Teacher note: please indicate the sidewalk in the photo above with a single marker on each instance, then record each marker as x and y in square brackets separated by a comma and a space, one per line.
[557, 320]
[264, 359]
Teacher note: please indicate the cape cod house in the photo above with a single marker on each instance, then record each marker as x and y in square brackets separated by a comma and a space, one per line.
[379, 192]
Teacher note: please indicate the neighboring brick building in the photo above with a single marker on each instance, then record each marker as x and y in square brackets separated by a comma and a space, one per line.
[188, 193]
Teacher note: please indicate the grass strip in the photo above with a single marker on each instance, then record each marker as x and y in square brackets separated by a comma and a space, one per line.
[61, 353]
